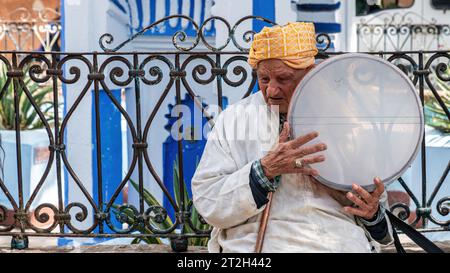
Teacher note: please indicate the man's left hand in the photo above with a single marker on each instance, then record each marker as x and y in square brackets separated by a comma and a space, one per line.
[367, 204]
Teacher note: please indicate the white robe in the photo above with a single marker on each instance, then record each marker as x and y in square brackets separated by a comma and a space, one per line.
[305, 215]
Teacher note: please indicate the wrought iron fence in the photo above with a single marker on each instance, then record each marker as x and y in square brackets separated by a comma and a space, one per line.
[26, 30]
[227, 69]
[401, 32]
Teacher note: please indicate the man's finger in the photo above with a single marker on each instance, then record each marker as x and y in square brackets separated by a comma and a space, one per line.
[360, 203]
[302, 140]
[355, 211]
[284, 135]
[307, 150]
[379, 188]
[363, 193]
[313, 159]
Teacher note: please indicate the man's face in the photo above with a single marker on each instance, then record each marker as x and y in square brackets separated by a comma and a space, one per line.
[278, 82]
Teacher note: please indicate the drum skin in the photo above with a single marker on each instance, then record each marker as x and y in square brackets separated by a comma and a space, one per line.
[368, 113]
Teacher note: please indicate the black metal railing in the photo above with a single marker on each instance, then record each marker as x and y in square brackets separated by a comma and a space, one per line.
[401, 32]
[28, 30]
[217, 67]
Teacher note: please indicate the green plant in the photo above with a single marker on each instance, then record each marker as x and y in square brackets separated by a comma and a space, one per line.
[150, 200]
[195, 216]
[29, 118]
[434, 114]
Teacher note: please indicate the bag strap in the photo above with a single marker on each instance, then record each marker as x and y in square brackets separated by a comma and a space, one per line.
[412, 233]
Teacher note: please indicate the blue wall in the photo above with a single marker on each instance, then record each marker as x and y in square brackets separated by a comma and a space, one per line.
[111, 148]
[263, 8]
[167, 30]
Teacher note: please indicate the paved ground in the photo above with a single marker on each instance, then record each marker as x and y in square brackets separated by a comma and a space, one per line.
[411, 247]
[46, 245]
[103, 249]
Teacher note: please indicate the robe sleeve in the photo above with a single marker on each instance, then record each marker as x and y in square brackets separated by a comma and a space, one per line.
[221, 189]
[376, 232]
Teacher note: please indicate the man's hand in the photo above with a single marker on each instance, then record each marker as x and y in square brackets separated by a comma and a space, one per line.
[281, 160]
[367, 203]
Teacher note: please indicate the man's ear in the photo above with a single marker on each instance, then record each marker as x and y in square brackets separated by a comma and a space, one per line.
[311, 67]
[306, 71]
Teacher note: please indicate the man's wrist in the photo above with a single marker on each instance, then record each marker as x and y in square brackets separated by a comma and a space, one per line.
[266, 183]
[374, 217]
[377, 218]
[265, 170]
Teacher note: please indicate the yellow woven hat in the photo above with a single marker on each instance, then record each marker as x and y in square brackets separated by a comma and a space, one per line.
[294, 44]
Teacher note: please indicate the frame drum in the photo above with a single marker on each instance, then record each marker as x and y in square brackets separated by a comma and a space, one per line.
[368, 113]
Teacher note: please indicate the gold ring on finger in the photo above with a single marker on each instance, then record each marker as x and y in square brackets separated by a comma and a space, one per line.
[298, 163]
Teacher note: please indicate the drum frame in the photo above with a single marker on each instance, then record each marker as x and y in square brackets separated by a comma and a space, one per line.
[329, 61]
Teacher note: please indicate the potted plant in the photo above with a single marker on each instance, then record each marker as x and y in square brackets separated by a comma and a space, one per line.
[34, 141]
[435, 118]
[434, 114]
[150, 200]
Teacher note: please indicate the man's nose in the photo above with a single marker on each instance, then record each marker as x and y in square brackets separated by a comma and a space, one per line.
[273, 90]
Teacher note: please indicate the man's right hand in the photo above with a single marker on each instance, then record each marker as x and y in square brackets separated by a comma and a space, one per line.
[281, 160]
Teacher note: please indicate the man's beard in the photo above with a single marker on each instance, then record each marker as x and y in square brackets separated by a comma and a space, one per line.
[283, 119]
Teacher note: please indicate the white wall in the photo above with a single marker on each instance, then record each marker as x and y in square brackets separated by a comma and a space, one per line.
[420, 12]
[85, 22]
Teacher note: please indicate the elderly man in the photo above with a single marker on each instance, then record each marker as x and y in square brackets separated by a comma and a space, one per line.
[249, 154]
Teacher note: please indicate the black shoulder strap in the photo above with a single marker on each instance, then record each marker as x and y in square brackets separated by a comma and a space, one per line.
[416, 236]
